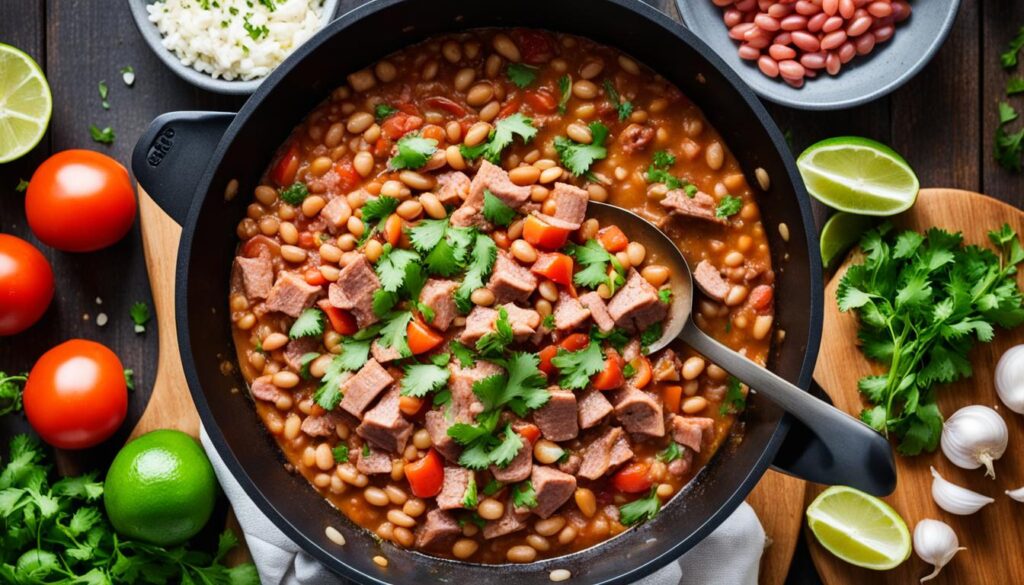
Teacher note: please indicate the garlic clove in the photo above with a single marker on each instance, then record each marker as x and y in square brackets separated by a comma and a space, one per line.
[1009, 378]
[955, 499]
[974, 436]
[936, 544]
[1017, 494]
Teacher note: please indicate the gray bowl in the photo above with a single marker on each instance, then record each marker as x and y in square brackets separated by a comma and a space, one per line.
[197, 78]
[864, 79]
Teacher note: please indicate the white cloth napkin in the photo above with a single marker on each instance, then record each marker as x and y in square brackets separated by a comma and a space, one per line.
[730, 555]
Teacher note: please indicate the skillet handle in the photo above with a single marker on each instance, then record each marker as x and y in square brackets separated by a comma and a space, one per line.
[808, 457]
[173, 154]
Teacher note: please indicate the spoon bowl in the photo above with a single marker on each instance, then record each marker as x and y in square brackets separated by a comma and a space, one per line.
[848, 442]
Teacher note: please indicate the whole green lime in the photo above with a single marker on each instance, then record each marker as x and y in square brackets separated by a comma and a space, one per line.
[160, 488]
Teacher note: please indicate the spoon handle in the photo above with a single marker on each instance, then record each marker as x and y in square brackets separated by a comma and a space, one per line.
[853, 454]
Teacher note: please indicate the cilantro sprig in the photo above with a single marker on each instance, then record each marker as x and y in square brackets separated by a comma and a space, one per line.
[922, 302]
[422, 379]
[565, 92]
[294, 194]
[10, 392]
[481, 261]
[413, 151]
[496, 211]
[524, 495]
[595, 261]
[728, 207]
[310, 323]
[578, 157]
[521, 75]
[624, 107]
[576, 367]
[504, 132]
[139, 312]
[1009, 58]
[640, 510]
[735, 400]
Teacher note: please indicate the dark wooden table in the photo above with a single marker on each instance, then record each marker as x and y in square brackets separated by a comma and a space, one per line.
[943, 122]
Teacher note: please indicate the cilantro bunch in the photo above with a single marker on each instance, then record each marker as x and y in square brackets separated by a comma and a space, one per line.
[922, 301]
[57, 533]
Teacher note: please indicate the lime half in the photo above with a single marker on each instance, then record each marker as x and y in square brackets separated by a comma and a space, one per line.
[859, 528]
[25, 103]
[858, 175]
[841, 232]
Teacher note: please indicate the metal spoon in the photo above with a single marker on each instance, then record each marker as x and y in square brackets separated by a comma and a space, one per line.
[848, 443]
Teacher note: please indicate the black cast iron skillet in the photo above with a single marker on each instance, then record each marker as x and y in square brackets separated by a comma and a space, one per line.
[185, 160]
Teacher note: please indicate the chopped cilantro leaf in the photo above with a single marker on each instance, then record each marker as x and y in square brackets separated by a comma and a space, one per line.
[104, 92]
[463, 354]
[129, 379]
[671, 453]
[354, 354]
[728, 207]
[104, 136]
[576, 367]
[391, 267]
[469, 500]
[629, 370]
[485, 251]
[502, 136]
[665, 295]
[496, 211]
[663, 159]
[294, 194]
[640, 510]
[304, 363]
[393, 334]
[1015, 85]
[422, 379]
[524, 496]
[139, 312]
[22, 186]
[310, 323]
[521, 75]
[340, 453]
[375, 213]
[578, 157]
[735, 400]
[502, 455]
[383, 111]
[1008, 146]
[494, 486]
[1009, 58]
[548, 322]
[564, 91]
[493, 344]
[366, 450]
[650, 335]
[441, 359]
[427, 234]
[625, 108]
[617, 338]
[413, 152]
[595, 261]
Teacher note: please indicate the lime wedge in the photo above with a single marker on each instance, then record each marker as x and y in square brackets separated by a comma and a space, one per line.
[858, 175]
[25, 103]
[841, 232]
[859, 528]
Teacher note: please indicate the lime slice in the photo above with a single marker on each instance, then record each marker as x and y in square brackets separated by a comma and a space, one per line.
[859, 176]
[859, 528]
[25, 103]
[841, 232]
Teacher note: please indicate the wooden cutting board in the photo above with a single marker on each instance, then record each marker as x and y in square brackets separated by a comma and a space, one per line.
[994, 536]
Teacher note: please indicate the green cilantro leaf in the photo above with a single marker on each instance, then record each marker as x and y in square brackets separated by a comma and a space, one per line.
[304, 362]
[595, 261]
[650, 335]
[665, 295]
[728, 207]
[10, 392]
[1008, 146]
[393, 334]
[463, 354]
[496, 211]
[735, 400]
[104, 136]
[22, 186]
[576, 367]
[413, 152]
[521, 75]
[383, 111]
[494, 486]
[392, 265]
[501, 137]
[1009, 58]
[625, 108]
[294, 194]
[309, 324]
[663, 159]
[617, 337]
[1015, 85]
[340, 453]
[379, 209]
[671, 453]
[564, 92]
[422, 379]
[469, 500]
[578, 157]
[427, 234]
[493, 344]
[548, 322]
[640, 510]
[139, 312]
[366, 450]
[524, 496]
[502, 455]
[104, 92]
[485, 251]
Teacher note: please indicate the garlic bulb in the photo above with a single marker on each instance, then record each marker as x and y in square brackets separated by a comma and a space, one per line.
[955, 499]
[1010, 378]
[974, 436]
[1017, 494]
[936, 544]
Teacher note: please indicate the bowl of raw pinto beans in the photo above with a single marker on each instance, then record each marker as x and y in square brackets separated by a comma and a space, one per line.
[822, 54]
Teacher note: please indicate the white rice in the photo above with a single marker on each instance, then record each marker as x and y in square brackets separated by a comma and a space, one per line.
[217, 36]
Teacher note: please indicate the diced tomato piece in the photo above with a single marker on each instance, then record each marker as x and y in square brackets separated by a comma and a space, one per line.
[410, 405]
[426, 476]
[556, 267]
[307, 241]
[575, 342]
[546, 356]
[284, 171]
[400, 124]
[541, 101]
[421, 337]
[348, 178]
[643, 374]
[632, 479]
[408, 108]
[341, 320]
[443, 103]
[672, 397]
[393, 229]
[382, 147]
[513, 105]
[314, 277]
[761, 297]
[536, 47]
[543, 235]
[611, 377]
[612, 239]
[530, 432]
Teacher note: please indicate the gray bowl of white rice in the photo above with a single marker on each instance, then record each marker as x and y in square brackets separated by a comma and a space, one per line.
[228, 46]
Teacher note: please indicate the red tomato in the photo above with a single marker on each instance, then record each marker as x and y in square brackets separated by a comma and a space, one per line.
[284, 170]
[348, 178]
[611, 376]
[546, 356]
[314, 277]
[535, 46]
[426, 476]
[76, 396]
[633, 479]
[541, 101]
[511, 107]
[643, 374]
[341, 320]
[421, 337]
[443, 103]
[530, 432]
[555, 267]
[26, 285]
[80, 201]
[400, 124]
[543, 235]
[257, 245]
[575, 342]
[612, 239]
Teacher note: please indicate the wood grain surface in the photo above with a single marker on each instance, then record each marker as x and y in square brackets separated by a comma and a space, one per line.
[994, 536]
[942, 121]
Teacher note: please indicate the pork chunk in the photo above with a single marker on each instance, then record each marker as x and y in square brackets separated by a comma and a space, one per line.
[598, 310]
[291, 294]
[700, 206]
[384, 426]
[452, 187]
[354, 290]
[636, 306]
[439, 529]
[511, 521]
[362, 388]
[439, 295]
[640, 413]
[597, 456]
[263, 389]
[336, 213]
[373, 463]
[569, 312]
[257, 275]
[692, 431]
[557, 419]
[453, 490]
[510, 281]
[709, 280]
[592, 407]
[553, 488]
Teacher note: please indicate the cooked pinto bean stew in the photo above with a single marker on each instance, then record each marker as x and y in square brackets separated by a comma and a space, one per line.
[444, 344]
